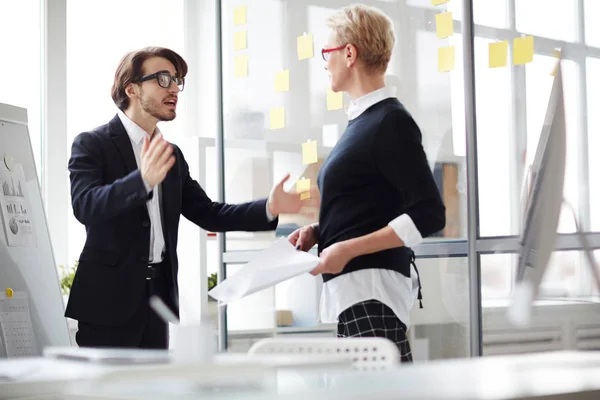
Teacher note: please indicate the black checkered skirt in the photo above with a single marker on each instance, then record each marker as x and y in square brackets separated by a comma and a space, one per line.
[372, 318]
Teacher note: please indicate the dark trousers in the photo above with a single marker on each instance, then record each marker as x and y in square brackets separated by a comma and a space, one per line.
[144, 330]
[372, 318]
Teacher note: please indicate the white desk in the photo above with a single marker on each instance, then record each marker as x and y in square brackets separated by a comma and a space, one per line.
[557, 375]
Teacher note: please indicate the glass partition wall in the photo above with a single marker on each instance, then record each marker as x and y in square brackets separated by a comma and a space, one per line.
[261, 40]
[480, 113]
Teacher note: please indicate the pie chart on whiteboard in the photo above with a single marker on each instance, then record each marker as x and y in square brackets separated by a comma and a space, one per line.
[14, 227]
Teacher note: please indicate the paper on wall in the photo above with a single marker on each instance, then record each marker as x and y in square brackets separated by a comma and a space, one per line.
[15, 207]
[16, 329]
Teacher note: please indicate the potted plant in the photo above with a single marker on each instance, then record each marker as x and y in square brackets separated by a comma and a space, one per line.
[67, 274]
[212, 282]
[212, 303]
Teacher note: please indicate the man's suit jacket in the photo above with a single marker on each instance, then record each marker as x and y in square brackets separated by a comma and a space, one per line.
[109, 198]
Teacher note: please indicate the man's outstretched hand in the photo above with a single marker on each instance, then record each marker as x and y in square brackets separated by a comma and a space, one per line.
[282, 202]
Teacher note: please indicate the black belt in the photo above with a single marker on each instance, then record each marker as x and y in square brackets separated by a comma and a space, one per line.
[153, 271]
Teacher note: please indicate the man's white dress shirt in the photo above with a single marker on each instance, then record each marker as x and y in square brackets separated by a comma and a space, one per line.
[157, 239]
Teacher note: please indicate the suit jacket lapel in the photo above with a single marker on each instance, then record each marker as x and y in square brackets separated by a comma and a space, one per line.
[166, 190]
[123, 143]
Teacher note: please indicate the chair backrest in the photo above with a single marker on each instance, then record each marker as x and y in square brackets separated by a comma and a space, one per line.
[362, 351]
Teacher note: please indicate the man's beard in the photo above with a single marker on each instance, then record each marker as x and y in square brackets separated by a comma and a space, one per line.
[153, 107]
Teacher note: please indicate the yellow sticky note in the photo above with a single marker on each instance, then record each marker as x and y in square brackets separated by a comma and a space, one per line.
[282, 81]
[303, 187]
[241, 66]
[305, 46]
[438, 2]
[498, 54]
[444, 25]
[523, 50]
[335, 101]
[309, 152]
[240, 40]
[239, 15]
[446, 59]
[278, 118]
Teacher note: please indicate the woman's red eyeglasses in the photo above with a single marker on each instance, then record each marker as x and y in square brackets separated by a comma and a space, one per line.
[325, 52]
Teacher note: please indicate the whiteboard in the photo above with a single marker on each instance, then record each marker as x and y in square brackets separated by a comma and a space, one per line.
[29, 266]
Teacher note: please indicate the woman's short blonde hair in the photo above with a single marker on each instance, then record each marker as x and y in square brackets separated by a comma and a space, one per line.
[367, 28]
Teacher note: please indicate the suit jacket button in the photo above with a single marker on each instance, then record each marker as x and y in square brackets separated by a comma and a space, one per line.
[146, 224]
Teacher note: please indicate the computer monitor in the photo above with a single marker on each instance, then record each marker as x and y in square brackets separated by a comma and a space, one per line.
[543, 199]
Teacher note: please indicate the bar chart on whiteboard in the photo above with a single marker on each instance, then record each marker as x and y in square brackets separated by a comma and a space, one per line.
[16, 216]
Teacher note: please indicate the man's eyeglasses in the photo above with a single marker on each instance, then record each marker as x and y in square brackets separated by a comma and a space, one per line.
[326, 52]
[164, 80]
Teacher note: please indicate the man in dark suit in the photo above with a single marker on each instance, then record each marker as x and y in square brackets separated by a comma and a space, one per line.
[129, 187]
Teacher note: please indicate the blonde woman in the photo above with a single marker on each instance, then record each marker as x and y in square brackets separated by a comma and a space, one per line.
[378, 195]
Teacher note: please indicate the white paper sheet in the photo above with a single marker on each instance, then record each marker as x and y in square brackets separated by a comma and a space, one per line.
[108, 355]
[278, 263]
